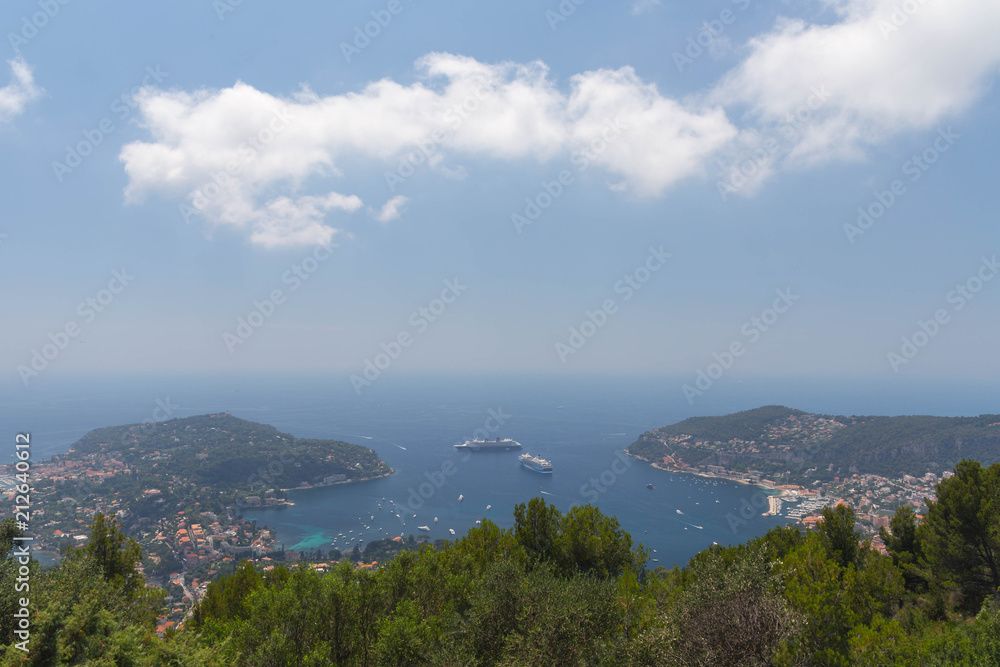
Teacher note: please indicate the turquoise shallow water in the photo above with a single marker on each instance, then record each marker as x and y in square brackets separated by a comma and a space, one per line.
[580, 424]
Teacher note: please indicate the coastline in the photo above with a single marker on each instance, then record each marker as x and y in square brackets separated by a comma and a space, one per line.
[343, 481]
[777, 490]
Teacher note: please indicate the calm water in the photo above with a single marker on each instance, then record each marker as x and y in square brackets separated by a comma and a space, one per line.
[580, 424]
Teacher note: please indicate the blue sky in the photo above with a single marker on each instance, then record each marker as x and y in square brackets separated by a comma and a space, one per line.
[739, 138]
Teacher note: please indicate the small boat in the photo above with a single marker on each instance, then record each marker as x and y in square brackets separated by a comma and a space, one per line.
[451, 530]
[679, 512]
[460, 497]
[650, 487]
[435, 519]
[489, 507]
[426, 528]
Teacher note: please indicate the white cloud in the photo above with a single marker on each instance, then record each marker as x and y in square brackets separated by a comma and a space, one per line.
[391, 209]
[228, 152]
[875, 73]
[661, 140]
[16, 95]
[888, 71]
[284, 221]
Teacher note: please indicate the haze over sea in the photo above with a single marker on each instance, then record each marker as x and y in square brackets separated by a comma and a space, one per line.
[581, 424]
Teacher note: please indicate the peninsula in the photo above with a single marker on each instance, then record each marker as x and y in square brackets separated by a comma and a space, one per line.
[875, 464]
[179, 487]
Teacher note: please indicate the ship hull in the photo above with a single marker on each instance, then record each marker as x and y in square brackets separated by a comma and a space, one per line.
[502, 446]
[488, 449]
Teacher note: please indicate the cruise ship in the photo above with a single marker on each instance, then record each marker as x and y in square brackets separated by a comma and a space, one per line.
[489, 445]
[536, 463]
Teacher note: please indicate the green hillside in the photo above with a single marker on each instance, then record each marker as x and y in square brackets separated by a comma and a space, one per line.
[228, 453]
[780, 440]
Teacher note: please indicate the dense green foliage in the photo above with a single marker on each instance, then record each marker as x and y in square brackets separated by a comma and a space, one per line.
[561, 589]
[227, 452]
[890, 446]
[746, 425]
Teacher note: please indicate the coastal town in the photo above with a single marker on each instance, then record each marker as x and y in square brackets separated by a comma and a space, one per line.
[874, 498]
[799, 492]
[190, 521]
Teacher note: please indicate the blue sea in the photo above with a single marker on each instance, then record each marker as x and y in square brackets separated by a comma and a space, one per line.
[581, 424]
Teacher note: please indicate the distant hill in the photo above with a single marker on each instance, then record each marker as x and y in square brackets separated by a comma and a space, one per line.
[227, 453]
[801, 445]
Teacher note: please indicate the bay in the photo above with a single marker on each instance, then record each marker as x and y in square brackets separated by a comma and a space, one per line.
[581, 424]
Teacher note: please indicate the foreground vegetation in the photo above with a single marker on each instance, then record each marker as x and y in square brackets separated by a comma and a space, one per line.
[558, 589]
